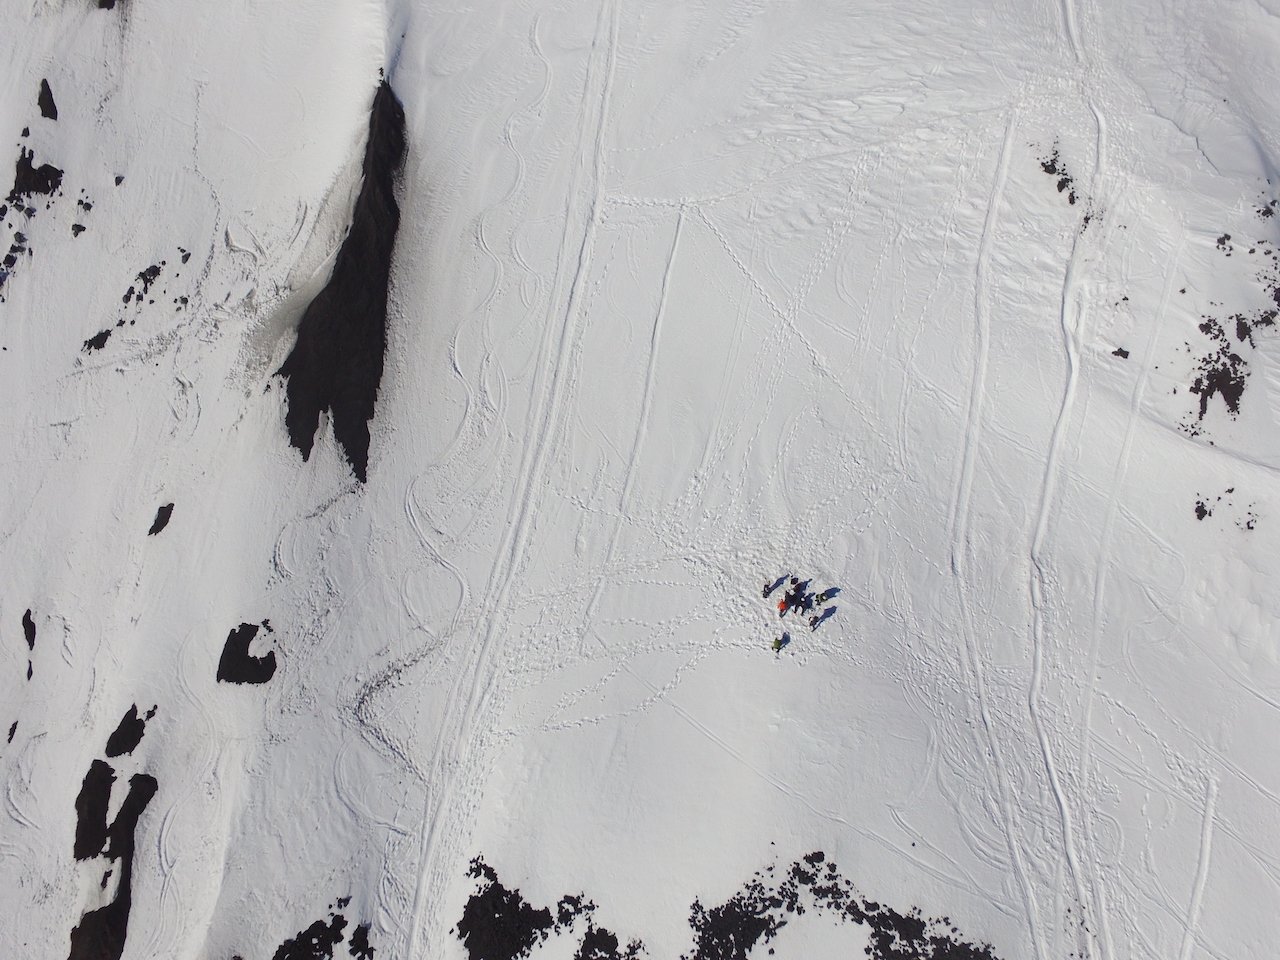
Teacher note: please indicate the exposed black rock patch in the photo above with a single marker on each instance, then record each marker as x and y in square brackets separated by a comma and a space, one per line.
[1222, 371]
[29, 180]
[146, 278]
[77, 229]
[106, 4]
[763, 906]
[1054, 166]
[1120, 352]
[126, 737]
[336, 364]
[91, 810]
[13, 728]
[97, 341]
[101, 933]
[162, 519]
[316, 942]
[236, 666]
[320, 940]
[1246, 517]
[601, 944]
[497, 923]
[359, 946]
[29, 630]
[48, 109]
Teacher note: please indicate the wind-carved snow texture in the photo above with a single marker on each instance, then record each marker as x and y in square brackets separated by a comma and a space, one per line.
[101, 933]
[498, 924]
[237, 666]
[336, 365]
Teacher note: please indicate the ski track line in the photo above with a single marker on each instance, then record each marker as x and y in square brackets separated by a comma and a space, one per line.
[450, 765]
[1008, 808]
[1069, 24]
[1202, 869]
[982, 324]
[642, 430]
[959, 550]
[1085, 748]
[651, 374]
[1071, 314]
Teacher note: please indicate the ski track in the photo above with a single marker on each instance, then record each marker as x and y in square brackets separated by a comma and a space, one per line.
[455, 747]
[982, 337]
[1084, 747]
[1010, 820]
[1202, 870]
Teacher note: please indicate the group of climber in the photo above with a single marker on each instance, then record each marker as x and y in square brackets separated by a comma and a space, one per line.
[799, 598]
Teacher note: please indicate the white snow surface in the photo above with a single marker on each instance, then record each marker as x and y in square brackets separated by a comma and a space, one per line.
[686, 296]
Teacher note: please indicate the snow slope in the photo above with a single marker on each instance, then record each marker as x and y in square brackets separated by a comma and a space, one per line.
[965, 308]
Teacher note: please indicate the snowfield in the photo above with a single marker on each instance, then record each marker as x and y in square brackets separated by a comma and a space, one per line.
[965, 310]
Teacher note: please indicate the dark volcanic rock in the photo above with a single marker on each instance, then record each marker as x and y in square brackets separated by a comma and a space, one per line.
[314, 943]
[97, 341]
[336, 364]
[236, 666]
[101, 933]
[29, 630]
[129, 733]
[359, 945]
[91, 810]
[29, 180]
[497, 924]
[48, 109]
[162, 519]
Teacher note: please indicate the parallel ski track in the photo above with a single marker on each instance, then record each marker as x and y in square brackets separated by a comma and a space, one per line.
[959, 544]
[1072, 311]
[472, 693]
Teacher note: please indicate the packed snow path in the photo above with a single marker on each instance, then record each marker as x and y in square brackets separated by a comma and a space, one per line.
[968, 309]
